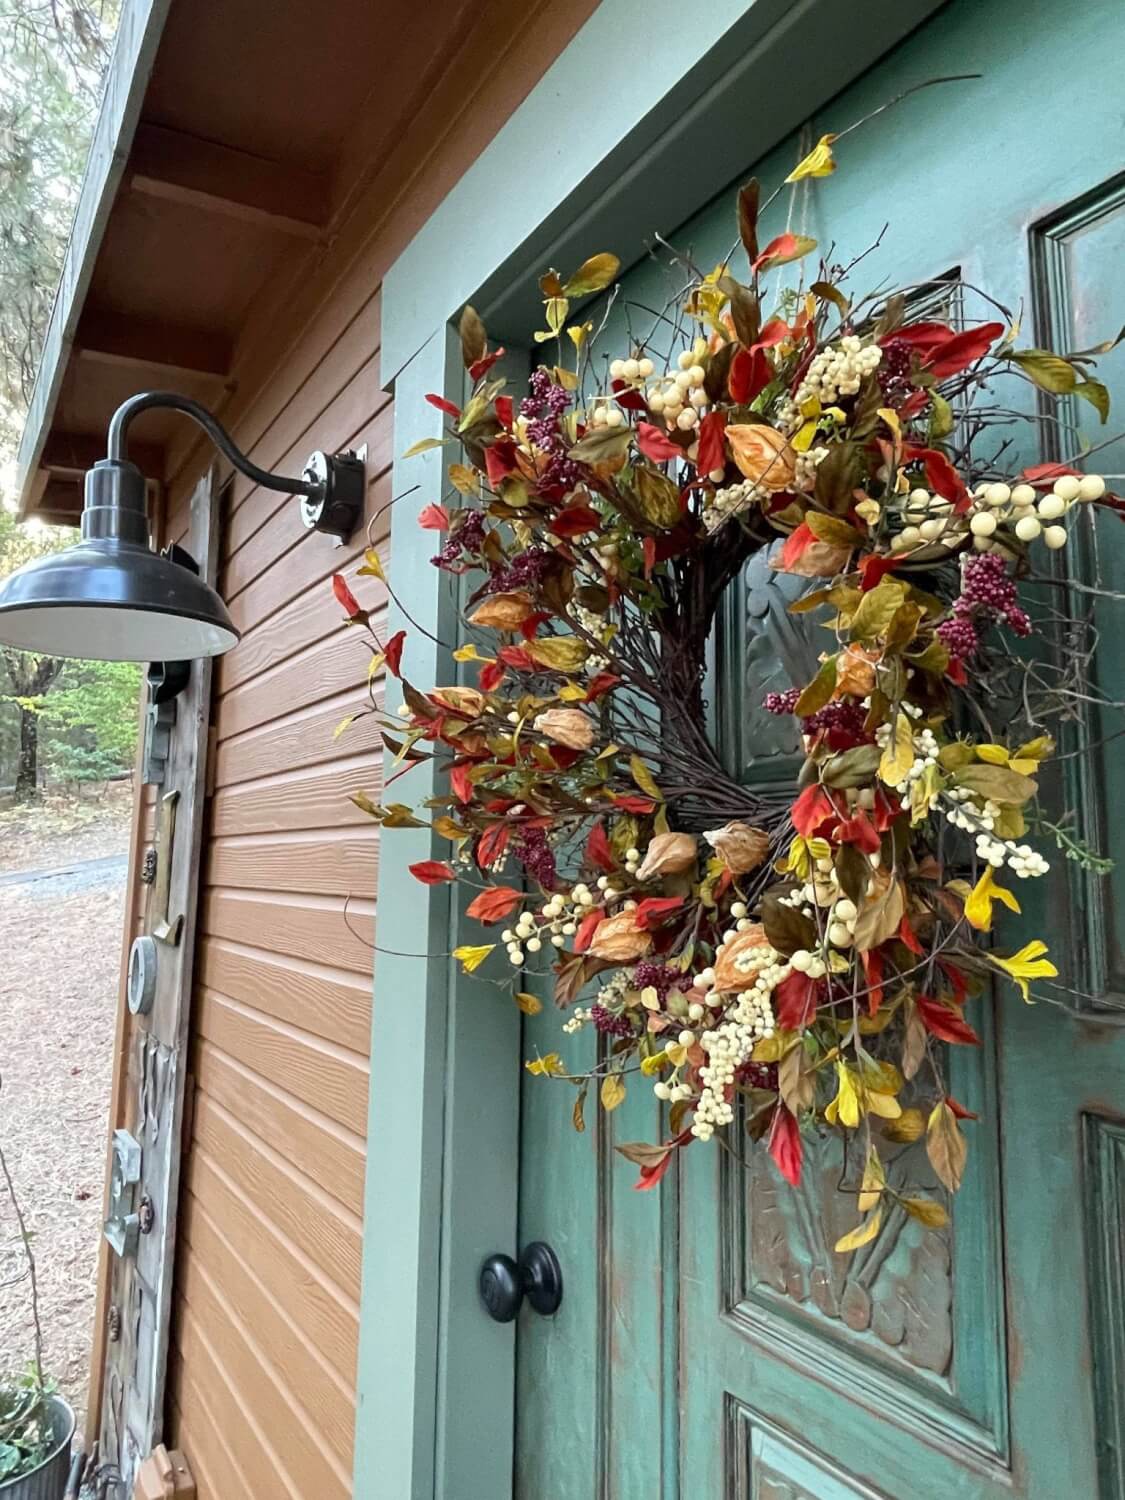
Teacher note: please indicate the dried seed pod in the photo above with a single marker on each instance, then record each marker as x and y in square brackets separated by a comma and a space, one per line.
[740, 847]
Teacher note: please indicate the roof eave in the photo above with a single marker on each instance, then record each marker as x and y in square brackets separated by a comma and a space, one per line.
[134, 52]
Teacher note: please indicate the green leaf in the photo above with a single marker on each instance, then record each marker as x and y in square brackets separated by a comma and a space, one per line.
[786, 929]
[854, 767]
[819, 690]
[1050, 372]
[836, 477]
[877, 608]
[926, 1211]
[600, 444]
[593, 275]
[644, 778]
[832, 529]
[998, 783]
[424, 445]
[941, 417]
[1096, 394]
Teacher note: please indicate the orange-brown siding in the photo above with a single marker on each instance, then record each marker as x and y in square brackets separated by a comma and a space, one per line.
[267, 1295]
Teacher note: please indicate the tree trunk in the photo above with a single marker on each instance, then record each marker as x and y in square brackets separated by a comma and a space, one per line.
[27, 772]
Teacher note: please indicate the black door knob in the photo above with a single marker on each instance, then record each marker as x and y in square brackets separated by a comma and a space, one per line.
[504, 1283]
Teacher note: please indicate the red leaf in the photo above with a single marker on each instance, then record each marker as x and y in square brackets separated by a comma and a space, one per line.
[1041, 473]
[499, 461]
[959, 1109]
[650, 1176]
[712, 453]
[462, 786]
[633, 804]
[392, 652]
[600, 685]
[962, 350]
[576, 520]
[795, 1001]
[860, 831]
[774, 332]
[434, 518]
[956, 671]
[598, 849]
[873, 972]
[908, 936]
[492, 843]
[652, 909]
[344, 596]
[786, 1146]
[491, 675]
[517, 657]
[628, 396]
[887, 808]
[432, 871]
[873, 566]
[648, 549]
[920, 336]
[529, 628]
[443, 405]
[482, 366]
[504, 411]
[586, 929]
[812, 808]
[654, 445]
[944, 1022]
[956, 979]
[749, 374]
[795, 544]
[785, 247]
[494, 903]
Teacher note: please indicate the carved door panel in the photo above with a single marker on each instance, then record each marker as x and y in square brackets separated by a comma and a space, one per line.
[141, 1228]
[712, 1344]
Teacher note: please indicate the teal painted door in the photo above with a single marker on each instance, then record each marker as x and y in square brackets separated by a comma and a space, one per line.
[710, 1342]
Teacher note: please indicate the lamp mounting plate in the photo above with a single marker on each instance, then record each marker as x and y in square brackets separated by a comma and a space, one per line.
[338, 508]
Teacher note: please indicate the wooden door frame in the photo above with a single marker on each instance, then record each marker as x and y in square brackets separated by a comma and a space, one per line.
[436, 1378]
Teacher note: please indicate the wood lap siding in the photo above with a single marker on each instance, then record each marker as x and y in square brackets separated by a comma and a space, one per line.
[266, 1307]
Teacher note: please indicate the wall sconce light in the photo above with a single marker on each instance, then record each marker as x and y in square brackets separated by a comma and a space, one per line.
[111, 597]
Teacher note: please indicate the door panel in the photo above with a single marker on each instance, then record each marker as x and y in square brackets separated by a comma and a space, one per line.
[713, 1344]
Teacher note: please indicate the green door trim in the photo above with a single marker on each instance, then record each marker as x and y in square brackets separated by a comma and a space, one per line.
[436, 1379]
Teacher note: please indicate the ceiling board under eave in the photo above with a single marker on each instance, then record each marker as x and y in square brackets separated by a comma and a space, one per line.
[92, 391]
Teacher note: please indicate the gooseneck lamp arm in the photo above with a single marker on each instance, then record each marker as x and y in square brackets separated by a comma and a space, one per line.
[111, 598]
[118, 437]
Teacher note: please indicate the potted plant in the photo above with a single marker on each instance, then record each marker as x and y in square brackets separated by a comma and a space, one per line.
[36, 1424]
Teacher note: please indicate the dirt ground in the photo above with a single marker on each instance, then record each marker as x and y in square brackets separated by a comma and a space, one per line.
[60, 954]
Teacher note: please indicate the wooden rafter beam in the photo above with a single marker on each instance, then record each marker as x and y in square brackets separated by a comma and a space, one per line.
[67, 455]
[220, 179]
[115, 338]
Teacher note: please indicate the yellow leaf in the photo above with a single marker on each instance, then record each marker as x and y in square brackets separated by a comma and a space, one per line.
[342, 725]
[890, 416]
[1028, 963]
[572, 693]
[924, 793]
[926, 1211]
[593, 275]
[613, 1091]
[650, 1066]
[561, 653]
[372, 566]
[650, 997]
[819, 163]
[886, 1106]
[861, 1234]
[676, 1053]
[423, 445]
[978, 906]
[898, 757]
[995, 755]
[470, 957]
[946, 1146]
[578, 333]
[464, 480]
[908, 1127]
[768, 1049]
[470, 653]
[375, 664]
[874, 1181]
[529, 1004]
[644, 778]
[802, 439]
[844, 1108]
[550, 1066]
[566, 378]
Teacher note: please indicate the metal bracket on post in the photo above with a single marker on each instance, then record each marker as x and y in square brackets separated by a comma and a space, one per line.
[123, 1226]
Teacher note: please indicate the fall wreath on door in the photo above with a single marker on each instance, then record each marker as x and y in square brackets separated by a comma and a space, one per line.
[792, 963]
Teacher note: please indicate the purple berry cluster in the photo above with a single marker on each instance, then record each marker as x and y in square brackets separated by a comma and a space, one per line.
[781, 703]
[524, 571]
[988, 596]
[468, 538]
[531, 848]
[609, 1024]
[894, 372]
[543, 407]
[843, 723]
[659, 977]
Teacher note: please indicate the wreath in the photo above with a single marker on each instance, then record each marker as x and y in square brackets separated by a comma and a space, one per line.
[787, 963]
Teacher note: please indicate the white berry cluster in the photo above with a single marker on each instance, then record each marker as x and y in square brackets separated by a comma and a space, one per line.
[838, 370]
[579, 1017]
[730, 1044]
[720, 505]
[557, 920]
[926, 748]
[1021, 859]
[804, 470]
[593, 624]
[929, 518]
[678, 395]
[999, 514]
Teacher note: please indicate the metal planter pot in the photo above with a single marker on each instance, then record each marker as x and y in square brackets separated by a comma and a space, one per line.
[48, 1481]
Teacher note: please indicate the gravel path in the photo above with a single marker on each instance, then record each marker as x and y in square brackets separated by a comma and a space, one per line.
[60, 954]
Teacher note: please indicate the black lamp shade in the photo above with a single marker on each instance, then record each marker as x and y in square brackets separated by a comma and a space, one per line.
[111, 598]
